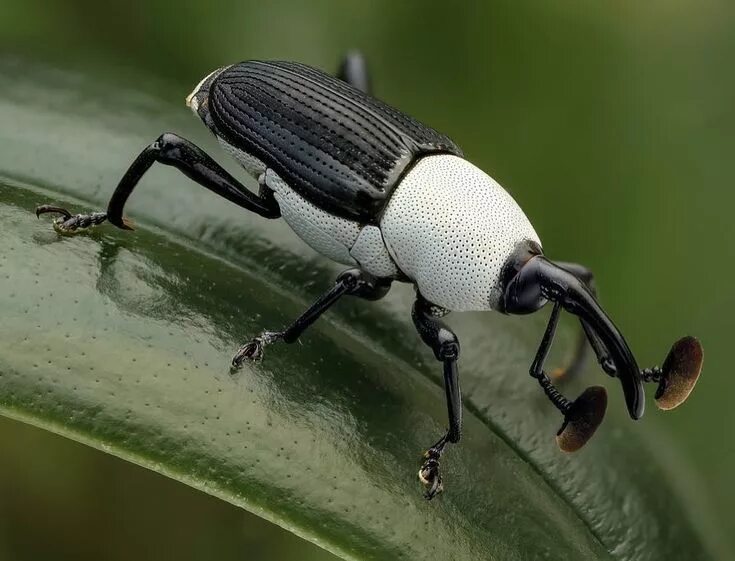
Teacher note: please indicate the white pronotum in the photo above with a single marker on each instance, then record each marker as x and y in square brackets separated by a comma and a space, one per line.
[450, 228]
[191, 100]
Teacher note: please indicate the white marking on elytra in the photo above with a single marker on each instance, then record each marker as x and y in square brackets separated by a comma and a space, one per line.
[328, 234]
[191, 100]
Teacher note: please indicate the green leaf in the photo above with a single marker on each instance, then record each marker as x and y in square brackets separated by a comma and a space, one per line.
[123, 341]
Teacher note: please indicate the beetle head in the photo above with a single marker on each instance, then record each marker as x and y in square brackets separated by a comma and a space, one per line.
[197, 100]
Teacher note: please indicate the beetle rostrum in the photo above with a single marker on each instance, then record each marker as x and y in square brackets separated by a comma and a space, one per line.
[370, 187]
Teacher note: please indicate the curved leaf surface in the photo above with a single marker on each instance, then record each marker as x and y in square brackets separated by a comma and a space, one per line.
[123, 341]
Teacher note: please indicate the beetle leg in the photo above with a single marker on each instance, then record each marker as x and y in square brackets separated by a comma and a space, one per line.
[677, 376]
[352, 282]
[539, 280]
[586, 333]
[68, 223]
[172, 150]
[354, 71]
[445, 345]
[582, 416]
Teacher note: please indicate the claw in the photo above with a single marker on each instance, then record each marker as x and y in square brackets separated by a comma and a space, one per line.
[429, 475]
[44, 209]
[252, 350]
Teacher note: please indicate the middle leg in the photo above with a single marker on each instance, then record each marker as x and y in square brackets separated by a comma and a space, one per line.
[352, 282]
[445, 345]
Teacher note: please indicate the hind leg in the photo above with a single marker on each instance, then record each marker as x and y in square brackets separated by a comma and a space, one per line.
[172, 150]
[445, 345]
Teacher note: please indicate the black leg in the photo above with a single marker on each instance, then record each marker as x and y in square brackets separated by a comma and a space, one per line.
[445, 345]
[353, 282]
[676, 378]
[587, 333]
[172, 150]
[582, 416]
[539, 280]
[537, 367]
[354, 71]
[68, 223]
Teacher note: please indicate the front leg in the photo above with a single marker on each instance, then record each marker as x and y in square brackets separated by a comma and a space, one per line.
[587, 334]
[352, 282]
[172, 150]
[445, 345]
[675, 379]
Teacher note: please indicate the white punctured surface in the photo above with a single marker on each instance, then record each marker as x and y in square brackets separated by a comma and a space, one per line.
[252, 165]
[330, 235]
[339, 239]
[370, 252]
[451, 227]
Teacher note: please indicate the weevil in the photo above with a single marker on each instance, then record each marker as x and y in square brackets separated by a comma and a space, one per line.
[370, 187]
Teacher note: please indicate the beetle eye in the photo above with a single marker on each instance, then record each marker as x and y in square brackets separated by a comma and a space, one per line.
[523, 288]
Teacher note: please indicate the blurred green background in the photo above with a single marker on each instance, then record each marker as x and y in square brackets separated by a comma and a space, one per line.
[611, 123]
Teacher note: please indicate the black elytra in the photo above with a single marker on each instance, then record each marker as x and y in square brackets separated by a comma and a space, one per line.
[336, 146]
[346, 152]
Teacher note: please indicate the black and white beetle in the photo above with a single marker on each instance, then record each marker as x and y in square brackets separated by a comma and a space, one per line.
[368, 186]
